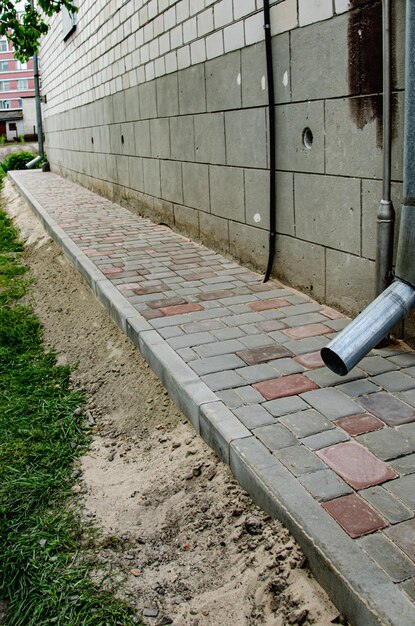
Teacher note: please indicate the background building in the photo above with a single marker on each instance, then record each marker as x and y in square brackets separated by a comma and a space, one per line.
[161, 105]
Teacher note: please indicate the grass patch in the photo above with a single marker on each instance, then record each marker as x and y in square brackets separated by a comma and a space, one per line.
[42, 577]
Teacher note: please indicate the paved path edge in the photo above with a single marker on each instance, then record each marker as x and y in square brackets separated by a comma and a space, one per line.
[358, 587]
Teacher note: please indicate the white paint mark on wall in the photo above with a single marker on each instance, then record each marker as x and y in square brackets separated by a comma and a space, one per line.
[257, 217]
[285, 79]
[263, 83]
[238, 79]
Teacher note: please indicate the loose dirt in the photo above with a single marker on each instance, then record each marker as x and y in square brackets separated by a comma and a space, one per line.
[174, 533]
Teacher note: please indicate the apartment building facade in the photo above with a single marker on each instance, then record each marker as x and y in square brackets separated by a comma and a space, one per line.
[162, 106]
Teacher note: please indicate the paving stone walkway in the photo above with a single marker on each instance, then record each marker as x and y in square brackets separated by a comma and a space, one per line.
[344, 446]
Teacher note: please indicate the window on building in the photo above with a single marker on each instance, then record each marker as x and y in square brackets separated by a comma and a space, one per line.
[4, 85]
[23, 84]
[20, 65]
[4, 104]
[68, 22]
[3, 44]
[19, 103]
[4, 66]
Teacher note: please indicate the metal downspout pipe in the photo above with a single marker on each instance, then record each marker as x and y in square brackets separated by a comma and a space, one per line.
[386, 212]
[271, 134]
[40, 156]
[389, 308]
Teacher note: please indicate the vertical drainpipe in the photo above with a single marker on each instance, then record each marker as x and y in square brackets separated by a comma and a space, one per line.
[272, 145]
[391, 306]
[39, 124]
[386, 212]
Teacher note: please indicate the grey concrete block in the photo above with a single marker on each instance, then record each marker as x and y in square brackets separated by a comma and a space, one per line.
[171, 181]
[118, 102]
[301, 264]
[404, 465]
[350, 281]
[152, 183]
[142, 138]
[254, 416]
[292, 152]
[388, 556]
[160, 138]
[188, 341]
[257, 200]
[389, 507]
[227, 192]
[302, 346]
[387, 443]
[115, 139]
[325, 378]
[214, 231]
[128, 138]
[116, 304]
[394, 381]
[311, 78]
[375, 365]
[358, 388]
[218, 382]
[325, 485]
[167, 95]
[254, 82]
[216, 364]
[246, 143]
[148, 100]
[257, 373]
[162, 212]
[123, 171]
[186, 220]
[219, 347]
[325, 439]
[223, 82]
[192, 90]
[331, 403]
[135, 167]
[249, 244]
[210, 138]
[371, 196]
[275, 436]
[182, 138]
[337, 227]
[219, 427]
[132, 105]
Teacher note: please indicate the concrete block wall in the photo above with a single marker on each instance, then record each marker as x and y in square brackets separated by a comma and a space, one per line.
[162, 107]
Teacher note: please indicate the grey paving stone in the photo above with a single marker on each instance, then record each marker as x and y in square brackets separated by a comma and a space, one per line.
[187, 341]
[249, 395]
[325, 485]
[388, 506]
[410, 371]
[388, 408]
[219, 381]
[219, 347]
[325, 439]
[257, 341]
[404, 488]
[306, 423]
[170, 331]
[216, 364]
[404, 465]
[250, 329]
[187, 354]
[245, 318]
[219, 427]
[256, 373]
[283, 406]
[388, 556]
[299, 309]
[409, 588]
[230, 398]
[358, 388]
[310, 344]
[408, 397]
[253, 416]
[394, 381]
[286, 366]
[408, 430]
[406, 359]
[387, 443]
[275, 436]
[331, 403]
[239, 308]
[338, 324]
[279, 337]
[375, 365]
[228, 333]
[301, 320]
[325, 378]
[274, 293]
[299, 460]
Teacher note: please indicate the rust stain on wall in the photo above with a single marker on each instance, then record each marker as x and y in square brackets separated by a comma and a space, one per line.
[365, 64]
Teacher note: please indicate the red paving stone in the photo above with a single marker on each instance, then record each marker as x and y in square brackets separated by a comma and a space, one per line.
[264, 305]
[111, 271]
[270, 326]
[263, 354]
[309, 330]
[354, 515]
[152, 314]
[203, 326]
[218, 295]
[143, 291]
[360, 424]
[311, 361]
[404, 536]
[356, 465]
[388, 408]
[166, 302]
[332, 314]
[181, 309]
[285, 386]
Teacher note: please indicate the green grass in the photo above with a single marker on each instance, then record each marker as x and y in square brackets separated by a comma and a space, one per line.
[43, 574]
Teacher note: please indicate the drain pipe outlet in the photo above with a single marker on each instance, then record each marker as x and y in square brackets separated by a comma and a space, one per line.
[379, 318]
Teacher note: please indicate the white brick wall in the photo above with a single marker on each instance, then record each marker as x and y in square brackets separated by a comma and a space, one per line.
[113, 49]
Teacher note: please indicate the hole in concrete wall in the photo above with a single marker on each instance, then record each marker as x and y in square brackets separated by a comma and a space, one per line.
[92, 140]
[308, 138]
[122, 138]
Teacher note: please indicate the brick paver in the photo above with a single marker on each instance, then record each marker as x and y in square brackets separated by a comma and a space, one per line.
[349, 442]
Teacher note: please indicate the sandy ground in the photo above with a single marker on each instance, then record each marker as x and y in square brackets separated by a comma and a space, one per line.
[175, 534]
[17, 147]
